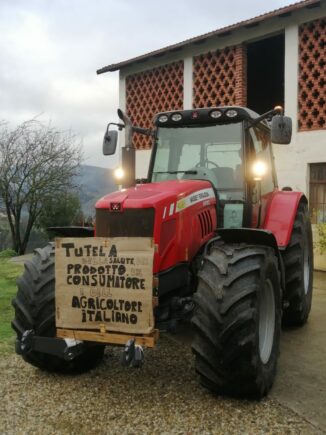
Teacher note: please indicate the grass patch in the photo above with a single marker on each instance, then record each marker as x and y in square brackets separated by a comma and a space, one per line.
[7, 253]
[9, 272]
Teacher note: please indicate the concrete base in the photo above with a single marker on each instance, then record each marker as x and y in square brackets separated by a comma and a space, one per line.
[301, 379]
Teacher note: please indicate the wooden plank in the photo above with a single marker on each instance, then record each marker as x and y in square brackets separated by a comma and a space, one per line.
[109, 337]
[121, 269]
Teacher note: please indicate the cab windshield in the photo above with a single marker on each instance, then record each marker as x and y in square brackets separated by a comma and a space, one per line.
[202, 152]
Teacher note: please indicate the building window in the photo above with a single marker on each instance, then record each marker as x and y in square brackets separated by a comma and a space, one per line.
[318, 192]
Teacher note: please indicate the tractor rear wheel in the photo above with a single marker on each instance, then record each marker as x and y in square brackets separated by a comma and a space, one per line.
[34, 307]
[298, 262]
[237, 320]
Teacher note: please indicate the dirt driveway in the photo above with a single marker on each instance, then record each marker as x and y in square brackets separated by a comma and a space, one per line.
[165, 397]
[301, 377]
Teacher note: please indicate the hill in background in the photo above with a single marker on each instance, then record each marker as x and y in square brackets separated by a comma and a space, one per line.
[93, 183]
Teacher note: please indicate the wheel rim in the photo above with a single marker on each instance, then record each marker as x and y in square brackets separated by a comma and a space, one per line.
[306, 266]
[266, 321]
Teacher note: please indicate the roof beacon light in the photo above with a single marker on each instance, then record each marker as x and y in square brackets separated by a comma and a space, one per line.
[215, 114]
[163, 118]
[279, 109]
[176, 117]
[259, 169]
[231, 113]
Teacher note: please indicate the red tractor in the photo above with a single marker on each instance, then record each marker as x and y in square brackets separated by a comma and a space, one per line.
[233, 251]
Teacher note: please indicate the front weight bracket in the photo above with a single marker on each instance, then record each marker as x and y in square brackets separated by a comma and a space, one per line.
[67, 349]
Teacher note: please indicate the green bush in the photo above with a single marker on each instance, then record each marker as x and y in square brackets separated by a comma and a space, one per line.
[6, 253]
[322, 237]
[9, 272]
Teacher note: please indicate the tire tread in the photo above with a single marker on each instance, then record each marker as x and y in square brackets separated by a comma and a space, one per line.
[225, 320]
[34, 307]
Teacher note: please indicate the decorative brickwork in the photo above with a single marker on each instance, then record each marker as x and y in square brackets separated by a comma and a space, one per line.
[219, 78]
[149, 92]
[241, 75]
[312, 65]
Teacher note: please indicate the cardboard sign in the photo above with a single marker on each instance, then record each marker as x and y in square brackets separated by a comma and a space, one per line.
[102, 281]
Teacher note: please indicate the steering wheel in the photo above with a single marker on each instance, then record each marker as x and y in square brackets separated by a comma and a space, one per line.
[212, 163]
[207, 162]
[202, 173]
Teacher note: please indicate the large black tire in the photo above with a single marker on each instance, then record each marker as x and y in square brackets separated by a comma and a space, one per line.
[298, 263]
[34, 307]
[237, 320]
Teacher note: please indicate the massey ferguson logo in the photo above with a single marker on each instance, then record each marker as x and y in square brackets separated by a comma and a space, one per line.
[115, 206]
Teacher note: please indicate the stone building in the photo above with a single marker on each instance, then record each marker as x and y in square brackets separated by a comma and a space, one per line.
[275, 58]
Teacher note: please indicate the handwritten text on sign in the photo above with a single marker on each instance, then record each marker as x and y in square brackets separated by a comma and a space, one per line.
[104, 281]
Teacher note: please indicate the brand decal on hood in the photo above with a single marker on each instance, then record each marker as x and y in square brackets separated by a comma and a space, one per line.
[194, 198]
[189, 200]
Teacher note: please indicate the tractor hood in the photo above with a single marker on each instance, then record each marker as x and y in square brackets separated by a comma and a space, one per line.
[156, 195]
[180, 216]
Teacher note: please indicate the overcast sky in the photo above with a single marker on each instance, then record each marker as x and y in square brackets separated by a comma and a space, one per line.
[50, 51]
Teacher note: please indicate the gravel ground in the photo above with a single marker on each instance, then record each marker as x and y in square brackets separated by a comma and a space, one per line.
[163, 397]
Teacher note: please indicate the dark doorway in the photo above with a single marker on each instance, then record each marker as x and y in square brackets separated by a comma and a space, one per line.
[265, 74]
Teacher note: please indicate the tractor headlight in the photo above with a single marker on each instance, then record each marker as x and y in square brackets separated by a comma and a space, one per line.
[231, 113]
[259, 169]
[215, 114]
[176, 117]
[119, 174]
[163, 118]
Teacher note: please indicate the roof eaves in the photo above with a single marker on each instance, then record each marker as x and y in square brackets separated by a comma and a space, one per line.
[224, 31]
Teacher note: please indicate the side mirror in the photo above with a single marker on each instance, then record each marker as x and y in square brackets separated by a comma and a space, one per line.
[281, 129]
[110, 142]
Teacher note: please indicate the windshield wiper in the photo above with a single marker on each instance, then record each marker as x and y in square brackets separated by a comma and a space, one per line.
[192, 171]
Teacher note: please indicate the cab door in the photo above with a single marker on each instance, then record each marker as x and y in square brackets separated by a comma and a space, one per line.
[262, 190]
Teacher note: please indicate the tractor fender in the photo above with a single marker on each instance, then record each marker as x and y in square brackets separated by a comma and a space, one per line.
[72, 231]
[253, 236]
[280, 215]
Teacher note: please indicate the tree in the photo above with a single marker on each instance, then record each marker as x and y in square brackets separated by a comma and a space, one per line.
[37, 162]
[60, 211]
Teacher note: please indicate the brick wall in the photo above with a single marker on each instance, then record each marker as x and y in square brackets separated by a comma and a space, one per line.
[156, 90]
[312, 80]
[241, 75]
[219, 77]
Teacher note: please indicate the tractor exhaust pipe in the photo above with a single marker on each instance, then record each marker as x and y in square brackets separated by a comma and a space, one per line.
[128, 153]
[128, 128]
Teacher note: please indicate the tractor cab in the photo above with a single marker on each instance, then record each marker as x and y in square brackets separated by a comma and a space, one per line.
[230, 147]
[213, 152]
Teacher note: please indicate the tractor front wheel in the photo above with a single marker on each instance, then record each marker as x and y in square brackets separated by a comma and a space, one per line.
[34, 307]
[237, 320]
